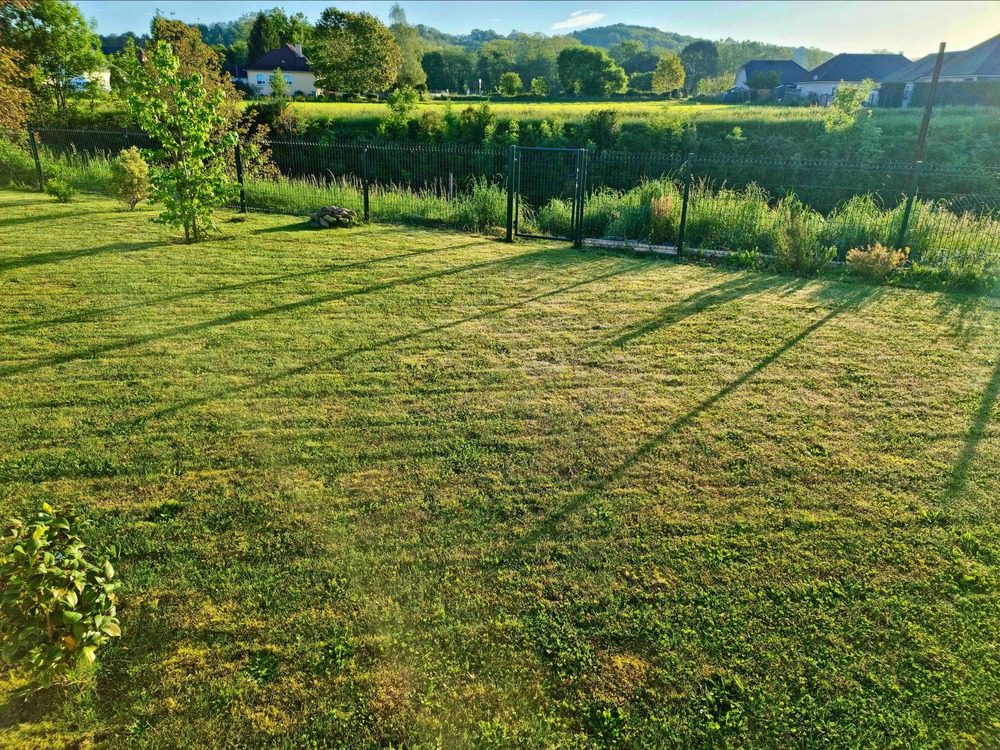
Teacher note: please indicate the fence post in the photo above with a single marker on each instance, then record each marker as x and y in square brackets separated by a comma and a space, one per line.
[918, 168]
[239, 178]
[581, 195]
[124, 138]
[688, 176]
[510, 192]
[34, 154]
[364, 178]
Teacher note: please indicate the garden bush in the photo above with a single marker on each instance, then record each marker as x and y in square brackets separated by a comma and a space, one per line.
[57, 606]
[16, 165]
[876, 262]
[59, 187]
[130, 178]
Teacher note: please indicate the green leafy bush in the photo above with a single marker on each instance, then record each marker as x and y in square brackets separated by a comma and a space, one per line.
[56, 606]
[16, 165]
[60, 188]
[130, 178]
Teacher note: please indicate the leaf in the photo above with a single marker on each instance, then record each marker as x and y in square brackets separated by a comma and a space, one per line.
[109, 572]
[47, 508]
[113, 629]
[90, 652]
[71, 616]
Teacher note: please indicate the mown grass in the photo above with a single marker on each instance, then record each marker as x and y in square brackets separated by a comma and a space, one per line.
[387, 487]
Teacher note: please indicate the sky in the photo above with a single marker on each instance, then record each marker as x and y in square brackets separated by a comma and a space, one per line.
[913, 28]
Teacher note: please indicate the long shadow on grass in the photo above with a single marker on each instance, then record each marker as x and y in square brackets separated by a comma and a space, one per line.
[58, 256]
[390, 341]
[248, 315]
[89, 316]
[960, 474]
[719, 294]
[547, 527]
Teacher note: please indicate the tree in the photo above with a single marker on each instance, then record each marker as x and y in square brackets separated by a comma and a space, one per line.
[448, 69]
[511, 84]
[188, 168]
[279, 86]
[56, 43]
[847, 105]
[764, 79]
[700, 59]
[539, 87]
[588, 70]
[354, 52]
[263, 38]
[641, 81]
[669, 74]
[14, 91]
[410, 45]
[625, 50]
[494, 59]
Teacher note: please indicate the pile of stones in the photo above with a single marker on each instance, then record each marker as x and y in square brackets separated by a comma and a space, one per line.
[332, 216]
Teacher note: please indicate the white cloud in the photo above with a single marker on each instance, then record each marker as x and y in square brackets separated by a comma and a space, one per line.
[578, 18]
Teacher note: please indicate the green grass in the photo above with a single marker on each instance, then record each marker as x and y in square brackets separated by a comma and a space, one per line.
[385, 487]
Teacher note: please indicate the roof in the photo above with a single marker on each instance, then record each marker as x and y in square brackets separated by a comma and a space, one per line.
[790, 70]
[855, 67]
[922, 67]
[286, 57]
[981, 60]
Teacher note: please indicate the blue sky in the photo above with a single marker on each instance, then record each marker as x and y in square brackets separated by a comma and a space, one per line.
[914, 28]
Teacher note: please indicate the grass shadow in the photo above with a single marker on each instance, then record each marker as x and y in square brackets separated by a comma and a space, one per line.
[960, 473]
[58, 256]
[547, 527]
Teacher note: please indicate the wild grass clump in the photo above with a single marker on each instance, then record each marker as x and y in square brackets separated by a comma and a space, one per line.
[483, 208]
[730, 220]
[798, 246]
[876, 263]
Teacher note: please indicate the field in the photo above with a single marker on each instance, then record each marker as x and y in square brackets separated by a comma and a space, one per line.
[388, 487]
[958, 134]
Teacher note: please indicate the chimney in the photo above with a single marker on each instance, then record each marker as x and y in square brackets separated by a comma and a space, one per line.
[298, 50]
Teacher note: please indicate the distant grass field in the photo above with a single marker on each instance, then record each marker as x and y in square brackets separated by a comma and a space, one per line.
[386, 487]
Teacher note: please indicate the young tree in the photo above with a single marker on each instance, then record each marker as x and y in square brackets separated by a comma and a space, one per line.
[188, 169]
[410, 45]
[700, 59]
[263, 38]
[511, 84]
[589, 70]
[847, 105]
[539, 87]
[354, 52]
[669, 74]
[279, 86]
[56, 43]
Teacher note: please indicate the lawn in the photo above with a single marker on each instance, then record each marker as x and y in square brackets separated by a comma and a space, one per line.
[384, 487]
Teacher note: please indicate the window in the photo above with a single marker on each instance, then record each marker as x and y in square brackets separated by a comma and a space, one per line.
[261, 79]
[288, 80]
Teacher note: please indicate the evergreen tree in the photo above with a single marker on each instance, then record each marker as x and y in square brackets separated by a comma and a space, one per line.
[263, 38]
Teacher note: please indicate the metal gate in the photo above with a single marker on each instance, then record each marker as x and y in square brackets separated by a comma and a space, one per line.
[543, 184]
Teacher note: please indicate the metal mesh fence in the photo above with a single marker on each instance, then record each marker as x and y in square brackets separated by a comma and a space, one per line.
[730, 203]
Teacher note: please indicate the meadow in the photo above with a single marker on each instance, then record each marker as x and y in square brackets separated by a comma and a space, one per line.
[394, 487]
[958, 135]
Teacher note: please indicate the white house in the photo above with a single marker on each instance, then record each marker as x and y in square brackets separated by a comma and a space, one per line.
[294, 67]
[979, 63]
[821, 83]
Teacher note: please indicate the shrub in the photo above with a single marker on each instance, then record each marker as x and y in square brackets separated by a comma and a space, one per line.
[797, 247]
[604, 126]
[16, 165]
[57, 606]
[876, 262]
[130, 178]
[60, 188]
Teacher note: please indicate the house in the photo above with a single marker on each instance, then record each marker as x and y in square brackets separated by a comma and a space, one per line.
[822, 82]
[238, 74]
[294, 67]
[789, 72]
[979, 63]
